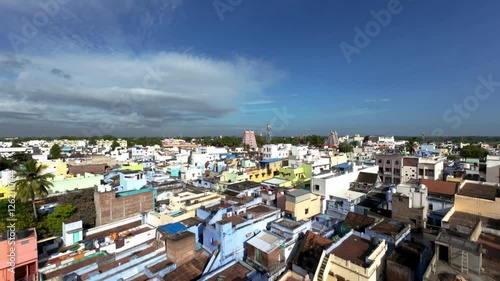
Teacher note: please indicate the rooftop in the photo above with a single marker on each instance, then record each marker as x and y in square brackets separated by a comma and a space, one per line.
[271, 160]
[365, 177]
[191, 270]
[298, 192]
[440, 187]
[172, 228]
[309, 244]
[240, 186]
[266, 241]
[275, 181]
[237, 271]
[480, 190]
[388, 227]
[354, 249]
[357, 222]
[189, 222]
[290, 224]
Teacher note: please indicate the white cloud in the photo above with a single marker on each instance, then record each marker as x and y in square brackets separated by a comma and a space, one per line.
[378, 100]
[158, 90]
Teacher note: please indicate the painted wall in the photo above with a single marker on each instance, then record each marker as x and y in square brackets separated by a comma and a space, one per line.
[61, 185]
[298, 210]
[232, 239]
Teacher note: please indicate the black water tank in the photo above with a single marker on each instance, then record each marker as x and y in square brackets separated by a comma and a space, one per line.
[23, 233]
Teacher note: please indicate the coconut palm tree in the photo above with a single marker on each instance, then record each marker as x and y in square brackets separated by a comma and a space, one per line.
[32, 183]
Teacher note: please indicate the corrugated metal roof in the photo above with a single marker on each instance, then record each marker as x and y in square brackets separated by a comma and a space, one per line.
[266, 242]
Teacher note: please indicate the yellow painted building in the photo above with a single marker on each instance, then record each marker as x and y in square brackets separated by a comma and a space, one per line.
[479, 198]
[268, 169]
[132, 167]
[301, 204]
[57, 168]
[183, 206]
[4, 192]
[348, 260]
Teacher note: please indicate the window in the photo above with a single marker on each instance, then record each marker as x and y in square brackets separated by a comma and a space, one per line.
[397, 162]
[420, 172]
[380, 161]
[388, 162]
[316, 186]
[431, 207]
[429, 173]
[307, 211]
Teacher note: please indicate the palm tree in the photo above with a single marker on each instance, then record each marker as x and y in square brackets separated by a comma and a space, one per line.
[32, 183]
[410, 146]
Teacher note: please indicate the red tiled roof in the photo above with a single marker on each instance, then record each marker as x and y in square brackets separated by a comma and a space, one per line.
[440, 187]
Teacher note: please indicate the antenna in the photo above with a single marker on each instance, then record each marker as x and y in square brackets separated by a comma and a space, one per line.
[268, 133]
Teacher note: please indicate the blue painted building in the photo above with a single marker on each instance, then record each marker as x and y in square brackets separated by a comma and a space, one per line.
[132, 180]
[225, 234]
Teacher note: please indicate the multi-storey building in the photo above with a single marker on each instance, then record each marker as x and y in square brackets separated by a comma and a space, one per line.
[390, 167]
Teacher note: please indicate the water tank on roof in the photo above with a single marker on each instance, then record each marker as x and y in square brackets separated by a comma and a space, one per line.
[249, 216]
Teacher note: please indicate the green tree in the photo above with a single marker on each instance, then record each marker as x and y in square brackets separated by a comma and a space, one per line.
[452, 157]
[83, 201]
[473, 151]
[53, 222]
[410, 146]
[114, 145]
[32, 183]
[6, 164]
[22, 214]
[20, 157]
[55, 151]
[344, 148]
[92, 141]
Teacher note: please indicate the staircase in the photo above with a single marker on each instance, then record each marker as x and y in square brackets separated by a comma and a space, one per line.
[322, 267]
[465, 262]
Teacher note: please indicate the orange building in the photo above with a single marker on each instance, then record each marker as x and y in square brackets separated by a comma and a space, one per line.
[19, 255]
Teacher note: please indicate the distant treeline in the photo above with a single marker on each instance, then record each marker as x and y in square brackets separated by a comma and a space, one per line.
[233, 141]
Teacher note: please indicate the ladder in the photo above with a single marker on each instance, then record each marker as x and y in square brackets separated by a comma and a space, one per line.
[465, 262]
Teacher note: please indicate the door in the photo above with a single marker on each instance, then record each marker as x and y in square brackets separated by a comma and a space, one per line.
[76, 237]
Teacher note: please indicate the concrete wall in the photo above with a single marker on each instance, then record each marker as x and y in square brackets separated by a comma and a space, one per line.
[397, 272]
[486, 208]
[474, 260]
[180, 250]
[403, 213]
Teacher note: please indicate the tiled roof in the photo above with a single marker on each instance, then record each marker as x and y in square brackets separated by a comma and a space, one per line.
[235, 272]
[480, 191]
[365, 177]
[357, 222]
[440, 187]
[191, 270]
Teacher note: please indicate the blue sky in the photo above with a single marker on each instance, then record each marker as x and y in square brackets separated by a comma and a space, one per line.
[217, 67]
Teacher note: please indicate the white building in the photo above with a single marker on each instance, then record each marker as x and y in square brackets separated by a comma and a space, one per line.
[276, 151]
[72, 232]
[430, 168]
[331, 184]
[493, 169]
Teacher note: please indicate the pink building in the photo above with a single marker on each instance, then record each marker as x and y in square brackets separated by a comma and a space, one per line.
[249, 139]
[19, 256]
